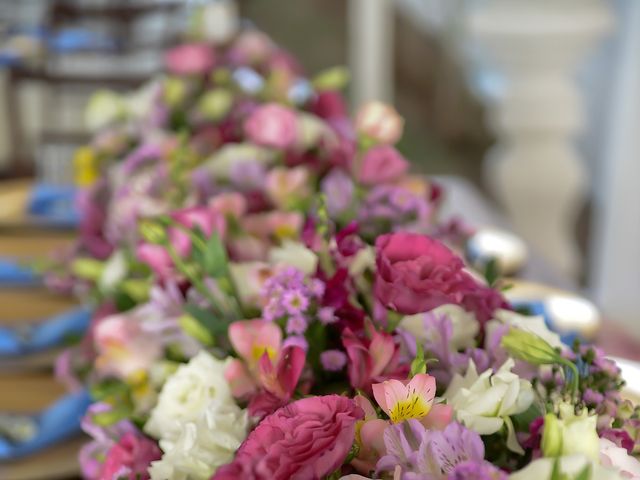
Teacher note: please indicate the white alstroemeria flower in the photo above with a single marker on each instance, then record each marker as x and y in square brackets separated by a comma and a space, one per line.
[204, 444]
[294, 254]
[465, 326]
[571, 465]
[115, 270]
[229, 156]
[534, 325]
[485, 402]
[187, 394]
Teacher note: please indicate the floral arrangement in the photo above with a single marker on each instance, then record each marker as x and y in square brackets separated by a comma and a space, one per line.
[277, 300]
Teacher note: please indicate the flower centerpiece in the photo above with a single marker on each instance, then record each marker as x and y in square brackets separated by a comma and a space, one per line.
[277, 301]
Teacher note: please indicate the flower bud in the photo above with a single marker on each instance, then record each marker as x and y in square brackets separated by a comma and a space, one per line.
[153, 232]
[530, 347]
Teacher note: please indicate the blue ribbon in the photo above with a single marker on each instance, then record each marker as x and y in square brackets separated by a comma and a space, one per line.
[55, 424]
[13, 273]
[54, 204]
[36, 337]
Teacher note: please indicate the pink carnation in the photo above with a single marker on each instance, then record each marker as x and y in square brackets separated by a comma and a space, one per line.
[309, 438]
[130, 458]
[416, 273]
[190, 59]
[272, 125]
[382, 164]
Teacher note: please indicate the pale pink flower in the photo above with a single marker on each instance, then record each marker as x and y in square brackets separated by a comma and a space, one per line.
[380, 122]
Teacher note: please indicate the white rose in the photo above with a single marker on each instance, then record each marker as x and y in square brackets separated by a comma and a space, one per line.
[465, 326]
[572, 465]
[204, 444]
[535, 325]
[294, 254]
[485, 402]
[187, 394]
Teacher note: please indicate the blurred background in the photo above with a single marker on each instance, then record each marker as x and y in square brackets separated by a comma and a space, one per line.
[528, 111]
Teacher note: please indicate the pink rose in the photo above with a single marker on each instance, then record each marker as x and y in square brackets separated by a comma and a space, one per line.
[417, 273]
[382, 164]
[307, 439]
[130, 458]
[329, 105]
[190, 59]
[272, 125]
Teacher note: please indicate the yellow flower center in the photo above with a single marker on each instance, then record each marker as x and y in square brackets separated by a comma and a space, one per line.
[412, 407]
[258, 351]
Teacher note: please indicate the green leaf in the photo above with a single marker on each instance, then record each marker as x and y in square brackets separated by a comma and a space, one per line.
[492, 272]
[105, 419]
[196, 329]
[418, 365]
[207, 319]
[215, 257]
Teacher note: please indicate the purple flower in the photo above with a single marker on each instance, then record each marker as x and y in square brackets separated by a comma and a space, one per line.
[248, 175]
[432, 454]
[296, 341]
[297, 324]
[295, 302]
[474, 470]
[333, 360]
[326, 315]
[339, 190]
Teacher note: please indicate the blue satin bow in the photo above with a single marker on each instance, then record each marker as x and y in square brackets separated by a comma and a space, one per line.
[22, 435]
[35, 337]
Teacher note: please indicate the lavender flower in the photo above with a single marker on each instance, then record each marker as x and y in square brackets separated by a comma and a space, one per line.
[474, 470]
[339, 190]
[430, 454]
[333, 360]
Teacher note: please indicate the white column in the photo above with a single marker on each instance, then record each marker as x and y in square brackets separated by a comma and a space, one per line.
[615, 276]
[371, 50]
[535, 169]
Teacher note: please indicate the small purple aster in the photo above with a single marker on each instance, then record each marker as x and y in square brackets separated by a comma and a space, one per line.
[295, 302]
[326, 315]
[297, 324]
[333, 360]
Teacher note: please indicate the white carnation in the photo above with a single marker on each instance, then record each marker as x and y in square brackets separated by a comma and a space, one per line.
[187, 394]
[485, 402]
[202, 445]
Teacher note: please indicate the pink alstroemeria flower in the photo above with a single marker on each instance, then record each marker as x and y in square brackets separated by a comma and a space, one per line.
[251, 339]
[403, 400]
[369, 436]
[374, 360]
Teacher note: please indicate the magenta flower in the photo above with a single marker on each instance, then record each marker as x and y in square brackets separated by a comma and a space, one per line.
[382, 164]
[130, 458]
[309, 438]
[272, 125]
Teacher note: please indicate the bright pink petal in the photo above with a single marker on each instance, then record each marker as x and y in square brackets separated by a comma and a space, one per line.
[290, 368]
[381, 350]
[364, 403]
